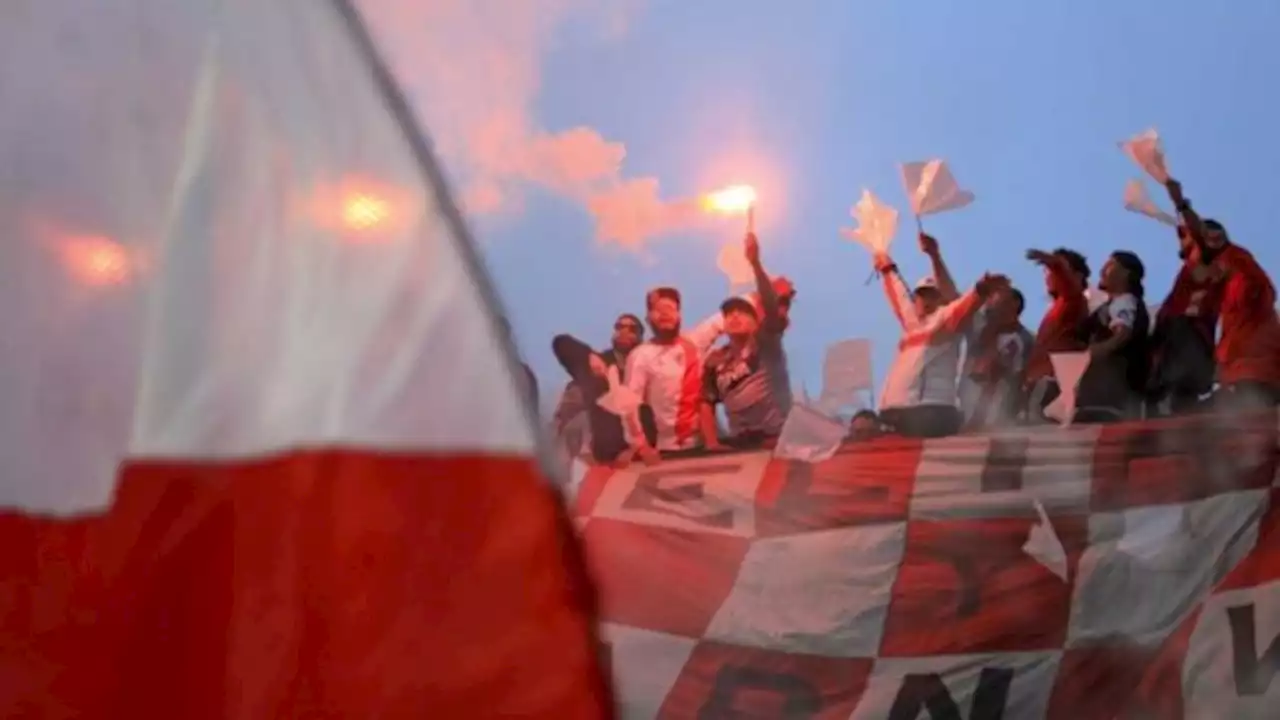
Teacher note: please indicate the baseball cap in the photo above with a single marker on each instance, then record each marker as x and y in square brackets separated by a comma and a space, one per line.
[927, 283]
[738, 304]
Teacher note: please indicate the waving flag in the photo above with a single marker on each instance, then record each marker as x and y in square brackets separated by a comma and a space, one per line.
[1137, 200]
[263, 452]
[931, 188]
[1147, 152]
[877, 224]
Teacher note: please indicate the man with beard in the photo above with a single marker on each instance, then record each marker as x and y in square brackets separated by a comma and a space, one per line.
[592, 375]
[1115, 382]
[748, 376]
[1186, 327]
[666, 374]
[1248, 351]
[919, 396]
[1066, 277]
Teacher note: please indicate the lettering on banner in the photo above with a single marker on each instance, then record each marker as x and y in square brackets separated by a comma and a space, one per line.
[654, 493]
[797, 697]
[798, 506]
[1253, 672]
[1224, 458]
[1005, 461]
[927, 692]
[968, 554]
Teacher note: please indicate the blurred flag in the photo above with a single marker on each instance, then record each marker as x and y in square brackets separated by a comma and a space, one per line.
[1137, 200]
[255, 465]
[932, 189]
[846, 371]
[877, 224]
[1068, 368]
[1146, 151]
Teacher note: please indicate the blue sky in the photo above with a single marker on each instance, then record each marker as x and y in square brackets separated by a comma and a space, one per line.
[1026, 100]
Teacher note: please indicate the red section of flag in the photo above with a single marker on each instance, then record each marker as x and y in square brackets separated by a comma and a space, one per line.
[316, 584]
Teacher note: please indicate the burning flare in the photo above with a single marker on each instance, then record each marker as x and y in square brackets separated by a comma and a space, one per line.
[733, 200]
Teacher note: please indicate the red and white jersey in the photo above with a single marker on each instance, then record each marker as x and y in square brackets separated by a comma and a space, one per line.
[668, 378]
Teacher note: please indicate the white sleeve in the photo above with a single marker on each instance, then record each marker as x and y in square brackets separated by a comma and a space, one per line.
[704, 334]
[1122, 312]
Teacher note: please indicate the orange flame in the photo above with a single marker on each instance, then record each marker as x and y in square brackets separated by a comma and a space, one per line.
[97, 261]
[364, 211]
[733, 200]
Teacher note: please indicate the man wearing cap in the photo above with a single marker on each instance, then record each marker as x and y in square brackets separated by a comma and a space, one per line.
[919, 396]
[748, 376]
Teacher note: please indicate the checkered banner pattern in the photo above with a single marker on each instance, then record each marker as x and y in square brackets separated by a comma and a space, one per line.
[896, 581]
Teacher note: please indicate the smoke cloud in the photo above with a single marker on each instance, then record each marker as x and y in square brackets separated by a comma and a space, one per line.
[472, 68]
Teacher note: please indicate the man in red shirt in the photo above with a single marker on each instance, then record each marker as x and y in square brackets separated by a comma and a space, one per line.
[1248, 352]
[1066, 275]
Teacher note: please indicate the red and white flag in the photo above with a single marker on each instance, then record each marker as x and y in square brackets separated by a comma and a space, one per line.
[262, 449]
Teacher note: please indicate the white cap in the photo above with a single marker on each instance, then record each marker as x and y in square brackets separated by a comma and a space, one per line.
[927, 282]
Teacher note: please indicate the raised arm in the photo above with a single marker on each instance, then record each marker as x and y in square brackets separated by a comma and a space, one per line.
[953, 317]
[896, 291]
[941, 275]
[1067, 289]
[1191, 221]
[764, 285]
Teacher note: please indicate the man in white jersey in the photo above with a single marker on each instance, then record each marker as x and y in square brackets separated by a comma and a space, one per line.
[919, 396]
[666, 374]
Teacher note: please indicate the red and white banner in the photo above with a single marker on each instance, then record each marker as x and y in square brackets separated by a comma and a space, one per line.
[262, 452]
[895, 580]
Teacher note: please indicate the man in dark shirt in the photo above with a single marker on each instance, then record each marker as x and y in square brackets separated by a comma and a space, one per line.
[590, 372]
[748, 376]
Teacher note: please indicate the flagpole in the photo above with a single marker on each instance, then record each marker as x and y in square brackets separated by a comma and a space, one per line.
[751, 219]
[415, 136]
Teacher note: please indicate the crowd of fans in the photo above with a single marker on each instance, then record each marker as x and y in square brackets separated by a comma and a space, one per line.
[964, 360]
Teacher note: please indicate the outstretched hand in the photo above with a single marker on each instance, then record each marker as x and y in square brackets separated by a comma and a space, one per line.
[1175, 191]
[989, 283]
[1039, 256]
[928, 245]
[751, 248]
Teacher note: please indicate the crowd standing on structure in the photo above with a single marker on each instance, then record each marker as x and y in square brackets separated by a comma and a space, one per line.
[964, 361]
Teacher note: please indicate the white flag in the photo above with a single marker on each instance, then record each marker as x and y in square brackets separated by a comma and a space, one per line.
[846, 371]
[1145, 150]
[1137, 200]
[1068, 368]
[732, 261]
[809, 436]
[1045, 546]
[932, 188]
[877, 224]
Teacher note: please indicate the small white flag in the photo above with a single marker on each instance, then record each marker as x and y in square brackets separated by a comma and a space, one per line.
[1068, 368]
[1044, 545]
[932, 188]
[809, 436]
[877, 224]
[1137, 200]
[1145, 150]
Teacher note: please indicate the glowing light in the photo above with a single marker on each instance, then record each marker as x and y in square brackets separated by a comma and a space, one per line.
[363, 211]
[735, 200]
[97, 261]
